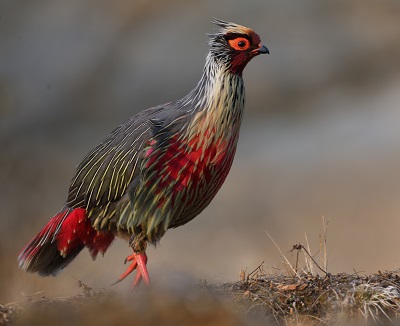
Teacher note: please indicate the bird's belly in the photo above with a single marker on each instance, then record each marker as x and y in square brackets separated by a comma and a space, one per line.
[182, 178]
[198, 195]
[198, 175]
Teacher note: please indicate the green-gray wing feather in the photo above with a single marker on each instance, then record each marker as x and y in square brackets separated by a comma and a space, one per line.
[108, 175]
[108, 179]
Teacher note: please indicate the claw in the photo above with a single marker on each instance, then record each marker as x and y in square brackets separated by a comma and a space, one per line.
[139, 261]
[136, 281]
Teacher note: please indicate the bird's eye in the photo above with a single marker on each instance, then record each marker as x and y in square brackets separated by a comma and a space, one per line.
[239, 43]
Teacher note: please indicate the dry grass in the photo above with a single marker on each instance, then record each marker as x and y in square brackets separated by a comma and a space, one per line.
[309, 299]
[307, 294]
[303, 292]
[261, 298]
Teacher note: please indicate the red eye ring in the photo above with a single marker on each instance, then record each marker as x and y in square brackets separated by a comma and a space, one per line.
[239, 43]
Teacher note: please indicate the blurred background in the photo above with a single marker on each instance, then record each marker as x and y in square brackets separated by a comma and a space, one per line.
[320, 136]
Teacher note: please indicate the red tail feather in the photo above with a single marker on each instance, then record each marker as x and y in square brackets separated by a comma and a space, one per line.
[60, 242]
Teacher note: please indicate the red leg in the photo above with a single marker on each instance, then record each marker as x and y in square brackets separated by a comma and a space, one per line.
[139, 261]
[142, 272]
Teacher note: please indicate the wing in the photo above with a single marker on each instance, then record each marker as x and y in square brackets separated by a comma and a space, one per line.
[105, 175]
[107, 179]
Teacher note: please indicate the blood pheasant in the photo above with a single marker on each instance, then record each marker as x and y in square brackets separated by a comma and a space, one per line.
[156, 171]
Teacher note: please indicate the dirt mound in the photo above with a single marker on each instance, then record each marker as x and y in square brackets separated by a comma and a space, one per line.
[262, 299]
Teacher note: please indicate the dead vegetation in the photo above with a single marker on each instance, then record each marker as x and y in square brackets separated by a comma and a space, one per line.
[261, 298]
[303, 292]
[307, 299]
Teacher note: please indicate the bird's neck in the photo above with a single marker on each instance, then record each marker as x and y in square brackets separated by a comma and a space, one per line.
[218, 99]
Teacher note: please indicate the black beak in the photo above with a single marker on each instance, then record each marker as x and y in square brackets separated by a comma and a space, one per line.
[263, 49]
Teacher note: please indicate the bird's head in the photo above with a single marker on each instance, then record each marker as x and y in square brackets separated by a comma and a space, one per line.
[235, 45]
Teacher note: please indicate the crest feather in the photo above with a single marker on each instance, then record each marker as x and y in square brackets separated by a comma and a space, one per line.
[229, 27]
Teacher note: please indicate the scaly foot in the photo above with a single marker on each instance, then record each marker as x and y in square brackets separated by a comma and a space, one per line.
[139, 261]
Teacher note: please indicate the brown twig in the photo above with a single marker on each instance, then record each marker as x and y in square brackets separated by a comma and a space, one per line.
[300, 247]
[258, 268]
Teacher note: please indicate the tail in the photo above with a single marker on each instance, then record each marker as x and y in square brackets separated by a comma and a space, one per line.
[60, 241]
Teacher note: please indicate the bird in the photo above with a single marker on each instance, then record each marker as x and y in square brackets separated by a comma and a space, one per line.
[158, 170]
